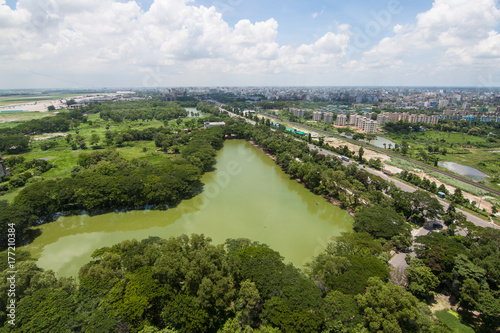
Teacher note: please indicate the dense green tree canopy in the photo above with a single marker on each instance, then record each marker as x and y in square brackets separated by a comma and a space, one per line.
[389, 308]
[382, 222]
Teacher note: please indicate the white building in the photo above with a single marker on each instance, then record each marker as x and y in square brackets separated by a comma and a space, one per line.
[208, 124]
[370, 126]
[297, 112]
[352, 119]
[328, 117]
[382, 119]
[341, 120]
[317, 115]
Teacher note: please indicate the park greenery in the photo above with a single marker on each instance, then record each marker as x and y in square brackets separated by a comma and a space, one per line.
[188, 284]
[461, 141]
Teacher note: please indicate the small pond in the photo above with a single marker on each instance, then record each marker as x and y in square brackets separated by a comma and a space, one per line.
[464, 170]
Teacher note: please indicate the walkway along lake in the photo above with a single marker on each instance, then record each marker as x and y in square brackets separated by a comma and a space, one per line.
[247, 195]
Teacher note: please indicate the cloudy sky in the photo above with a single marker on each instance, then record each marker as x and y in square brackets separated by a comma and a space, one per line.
[149, 43]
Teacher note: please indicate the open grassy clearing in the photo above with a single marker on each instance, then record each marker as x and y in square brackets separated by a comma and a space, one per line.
[482, 159]
[64, 158]
[451, 319]
[451, 139]
[460, 148]
[9, 197]
[9, 120]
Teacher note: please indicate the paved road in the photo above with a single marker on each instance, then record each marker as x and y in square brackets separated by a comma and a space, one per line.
[234, 115]
[399, 259]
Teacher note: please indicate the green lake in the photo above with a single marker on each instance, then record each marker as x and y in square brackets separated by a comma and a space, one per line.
[247, 195]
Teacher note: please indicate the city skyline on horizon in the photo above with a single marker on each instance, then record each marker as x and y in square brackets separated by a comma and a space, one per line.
[76, 44]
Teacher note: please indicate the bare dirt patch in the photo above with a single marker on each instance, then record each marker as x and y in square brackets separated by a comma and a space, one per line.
[442, 302]
[46, 136]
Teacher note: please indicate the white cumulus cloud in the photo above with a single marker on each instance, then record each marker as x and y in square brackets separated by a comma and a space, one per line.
[176, 42]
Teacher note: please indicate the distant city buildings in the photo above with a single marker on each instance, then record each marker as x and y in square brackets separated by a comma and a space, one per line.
[297, 112]
[344, 99]
[425, 105]
[387, 117]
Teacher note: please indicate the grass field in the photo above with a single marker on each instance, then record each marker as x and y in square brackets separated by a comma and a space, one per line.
[403, 164]
[64, 158]
[452, 140]
[9, 120]
[451, 319]
[461, 148]
[482, 159]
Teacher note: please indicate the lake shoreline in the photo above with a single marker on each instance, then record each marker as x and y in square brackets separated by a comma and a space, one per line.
[333, 201]
[231, 206]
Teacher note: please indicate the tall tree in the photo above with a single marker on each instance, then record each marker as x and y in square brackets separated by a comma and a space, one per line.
[361, 151]
[389, 308]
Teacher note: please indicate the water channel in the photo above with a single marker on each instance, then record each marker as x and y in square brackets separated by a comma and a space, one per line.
[247, 195]
[379, 142]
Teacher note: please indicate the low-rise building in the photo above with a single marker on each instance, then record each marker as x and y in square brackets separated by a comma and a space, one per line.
[208, 124]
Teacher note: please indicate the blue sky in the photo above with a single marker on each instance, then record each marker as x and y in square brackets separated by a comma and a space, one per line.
[305, 21]
[96, 43]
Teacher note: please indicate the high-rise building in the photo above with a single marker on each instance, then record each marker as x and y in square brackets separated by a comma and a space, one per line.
[443, 103]
[434, 119]
[382, 119]
[370, 126]
[328, 117]
[359, 122]
[317, 115]
[352, 119]
[341, 120]
[297, 112]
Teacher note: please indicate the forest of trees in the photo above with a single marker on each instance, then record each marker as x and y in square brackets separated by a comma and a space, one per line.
[103, 180]
[189, 284]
